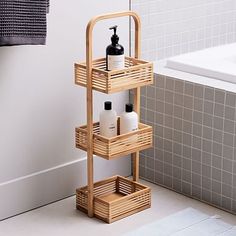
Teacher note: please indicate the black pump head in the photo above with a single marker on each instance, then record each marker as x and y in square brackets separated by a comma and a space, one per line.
[114, 37]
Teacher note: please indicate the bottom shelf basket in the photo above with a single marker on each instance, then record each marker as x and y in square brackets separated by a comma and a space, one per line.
[115, 198]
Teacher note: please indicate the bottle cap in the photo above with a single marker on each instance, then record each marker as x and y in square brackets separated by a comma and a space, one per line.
[129, 107]
[107, 105]
[114, 37]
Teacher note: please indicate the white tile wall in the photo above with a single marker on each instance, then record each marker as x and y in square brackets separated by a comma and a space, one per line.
[171, 27]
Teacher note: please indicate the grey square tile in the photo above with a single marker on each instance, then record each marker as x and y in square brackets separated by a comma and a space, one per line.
[197, 117]
[209, 93]
[219, 110]
[218, 123]
[150, 163]
[177, 186]
[160, 81]
[188, 101]
[168, 108]
[217, 135]
[160, 95]
[179, 86]
[150, 116]
[159, 166]
[177, 172]
[178, 124]
[142, 114]
[167, 169]
[177, 136]
[206, 183]
[159, 155]
[150, 175]
[216, 187]
[159, 178]
[219, 96]
[196, 179]
[230, 99]
[216, 199]
[217, 148]
[168, 121]
[187, 152]
[208, 107]
[142, 172]
[226, 203]
[159, 106]
[206, 145]
[177, 161]
[143, 102]
[167, 181]
[178, 111]
[216, 174]
[159, 118]
[168, 133]
[186, 176]
[188, 88]
[159, 130]
[229, 113]
[187, 127]
[186, 188]
[206, 171]
[177, 148]
[227, 190]
[197, 130]
[198, 104]
[169, 96]
[206, 158]
[196, 192]
[151, 92]
[196, 167]
[206, 195]
[229, 126]
[178, 99]
[207, 120]
[196, 154]
[168, 157]
[198, 91]
[187, 114]
[228, 165]
[151, 104]
[228, 152]
[186, 164]
[187, 139]
[217, 161]
[170, 82]
[207, 133]
[228, 139]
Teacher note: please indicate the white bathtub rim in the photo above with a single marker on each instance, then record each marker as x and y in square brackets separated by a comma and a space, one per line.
[160, 68]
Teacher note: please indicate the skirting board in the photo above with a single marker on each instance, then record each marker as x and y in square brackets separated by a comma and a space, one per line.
[38, 189]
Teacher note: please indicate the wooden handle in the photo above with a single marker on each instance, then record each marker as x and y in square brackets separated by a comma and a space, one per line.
[89, 43]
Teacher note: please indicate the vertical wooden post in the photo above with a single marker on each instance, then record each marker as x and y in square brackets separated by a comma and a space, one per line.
[89, 30]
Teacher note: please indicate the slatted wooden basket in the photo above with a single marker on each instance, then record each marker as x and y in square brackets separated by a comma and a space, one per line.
[120, 145]
[136, 73]
[115, 198]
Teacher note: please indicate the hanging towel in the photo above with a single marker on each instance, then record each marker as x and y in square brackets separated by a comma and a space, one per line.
[23, 22]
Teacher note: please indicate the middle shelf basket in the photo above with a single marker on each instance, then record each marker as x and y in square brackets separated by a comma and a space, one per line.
[136, 73]
[119, 145]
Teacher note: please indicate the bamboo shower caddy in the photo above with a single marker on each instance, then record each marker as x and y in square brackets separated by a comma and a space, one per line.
[116, 197]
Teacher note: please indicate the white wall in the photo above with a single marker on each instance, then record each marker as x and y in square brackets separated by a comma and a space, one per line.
[172, 27]
[40, 105]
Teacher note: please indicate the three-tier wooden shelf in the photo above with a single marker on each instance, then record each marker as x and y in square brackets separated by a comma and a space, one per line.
[116, 197]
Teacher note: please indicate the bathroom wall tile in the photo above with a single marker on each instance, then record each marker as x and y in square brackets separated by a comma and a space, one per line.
[168, 109]
[228, 139]
[228, 152]
[227, 190]
[206, 195]
[186, 164]
[169, 85]
[160, 94]
[178, 124]
[216, 187]
[196, 167]
[216, 174]
[187, 139]
[208, 107]
[198, 104]
[188, 88]
[160, 81]
[207, 120]
[177, 161]
[177, 136]
[169, 96]
[217, 148]
[168, 133]
[196, 192]
[187, 114]
[186, 188]
[228, 165]
[151, 104]
[177, 185]
[206, 183]
[151, 92]
[167, 169]
[206, 145]
[218, 123]
[168, 121]
[159, 106]
[178, 111]
[196, 179]
[226, 203]
[206, 158]
[229, 126]
[219, 110]
[209, 94]
[207, 133]
[179, 86]
[217, 136]
[229, 113]
[197, 130]
[230, 99]
[198, 91]
[216, 199]
[219, 96]
[216, 161]
[206, 171]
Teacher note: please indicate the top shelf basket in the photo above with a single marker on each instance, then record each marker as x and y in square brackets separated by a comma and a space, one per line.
[137, 73]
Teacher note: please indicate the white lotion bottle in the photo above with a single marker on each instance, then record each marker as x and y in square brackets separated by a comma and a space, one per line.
[108, 121]
[128, 120]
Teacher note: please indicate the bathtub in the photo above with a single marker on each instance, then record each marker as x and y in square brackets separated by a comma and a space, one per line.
[217, 62]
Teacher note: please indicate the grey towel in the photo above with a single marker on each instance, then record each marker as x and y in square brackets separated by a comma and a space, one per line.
[23, 22]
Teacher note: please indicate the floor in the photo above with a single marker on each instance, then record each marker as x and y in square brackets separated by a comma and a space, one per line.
[61, 218]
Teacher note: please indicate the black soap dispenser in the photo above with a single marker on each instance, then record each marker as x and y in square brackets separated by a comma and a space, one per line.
[115, 59]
